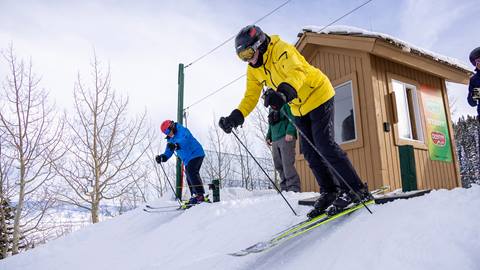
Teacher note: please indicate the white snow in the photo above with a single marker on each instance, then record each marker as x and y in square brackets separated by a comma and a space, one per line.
[405, 46]
[440, 230]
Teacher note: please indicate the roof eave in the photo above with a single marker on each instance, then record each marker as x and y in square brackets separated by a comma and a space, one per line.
[381, 48]
[418, 61]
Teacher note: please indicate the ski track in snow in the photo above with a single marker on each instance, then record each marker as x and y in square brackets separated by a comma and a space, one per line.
[440, 230]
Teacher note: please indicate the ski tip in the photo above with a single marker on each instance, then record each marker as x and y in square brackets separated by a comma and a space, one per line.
[238, 254]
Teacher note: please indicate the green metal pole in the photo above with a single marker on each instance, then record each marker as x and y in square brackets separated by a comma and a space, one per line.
[181, 78]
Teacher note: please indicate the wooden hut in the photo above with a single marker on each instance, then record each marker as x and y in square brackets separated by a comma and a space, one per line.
[392, 114]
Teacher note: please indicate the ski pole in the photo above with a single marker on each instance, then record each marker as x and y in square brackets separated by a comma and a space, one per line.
[273, 183]
[170, 184]
[337, 174]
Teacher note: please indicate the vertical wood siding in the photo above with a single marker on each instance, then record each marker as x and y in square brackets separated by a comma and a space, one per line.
[338, 63]
[430, 174]
[377, 159]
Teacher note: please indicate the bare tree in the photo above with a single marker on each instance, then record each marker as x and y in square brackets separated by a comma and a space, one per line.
[156, 180]
[218, 162]
[260, 123]
[105, 146]
[31, 138]
[452, 103]
[260, 126]
[245, 161]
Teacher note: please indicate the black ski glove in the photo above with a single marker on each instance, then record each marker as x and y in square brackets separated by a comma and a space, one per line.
[288, 90]
[161, 158]
[234, 120]
[173, 146]
[274, 99]
[273, 117]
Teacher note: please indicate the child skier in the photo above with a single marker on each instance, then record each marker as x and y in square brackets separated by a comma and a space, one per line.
[190, 151]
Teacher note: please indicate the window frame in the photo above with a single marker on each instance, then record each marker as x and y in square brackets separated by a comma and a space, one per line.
[397, 138]
[358, 142]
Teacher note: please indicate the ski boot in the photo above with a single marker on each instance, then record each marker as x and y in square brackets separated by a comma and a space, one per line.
[346, 199]
[196, 199]
[325, 199]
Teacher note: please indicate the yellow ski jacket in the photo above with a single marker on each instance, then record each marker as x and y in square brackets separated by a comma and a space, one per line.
[283, 63]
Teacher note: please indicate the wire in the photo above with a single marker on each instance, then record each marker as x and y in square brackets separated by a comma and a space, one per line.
[223, 87]
[345, 15]
[214, 92]
[271, 12]
[232, 37]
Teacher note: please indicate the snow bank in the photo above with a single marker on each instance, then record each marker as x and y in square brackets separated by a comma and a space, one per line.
[440, 230]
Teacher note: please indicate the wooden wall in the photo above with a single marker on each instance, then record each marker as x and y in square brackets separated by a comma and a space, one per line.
[375, 156]
[336, 64]
[430, 174]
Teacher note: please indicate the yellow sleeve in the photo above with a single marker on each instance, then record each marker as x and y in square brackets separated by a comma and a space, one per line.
[252, 94]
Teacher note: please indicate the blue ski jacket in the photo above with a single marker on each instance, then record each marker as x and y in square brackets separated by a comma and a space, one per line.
[474, 83]
[188, 147]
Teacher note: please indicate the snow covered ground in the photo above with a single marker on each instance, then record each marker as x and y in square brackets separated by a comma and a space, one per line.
[440, 230]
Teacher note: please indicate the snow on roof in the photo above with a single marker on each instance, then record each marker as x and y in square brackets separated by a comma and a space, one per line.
[405, 46]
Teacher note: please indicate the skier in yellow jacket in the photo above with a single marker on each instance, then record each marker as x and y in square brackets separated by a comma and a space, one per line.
[289, 78]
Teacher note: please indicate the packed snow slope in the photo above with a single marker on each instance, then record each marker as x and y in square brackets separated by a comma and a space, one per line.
[440, 230]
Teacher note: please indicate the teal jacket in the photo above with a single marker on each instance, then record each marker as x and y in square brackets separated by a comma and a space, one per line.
[283, 127]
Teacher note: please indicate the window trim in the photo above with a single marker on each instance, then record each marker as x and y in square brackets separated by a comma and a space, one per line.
[358, 142]
[399, 140]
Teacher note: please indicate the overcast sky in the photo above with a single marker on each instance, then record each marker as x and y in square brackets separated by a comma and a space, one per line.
[144, 41]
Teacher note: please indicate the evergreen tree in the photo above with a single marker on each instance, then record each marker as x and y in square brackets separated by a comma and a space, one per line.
[6, 228]
[467, 139]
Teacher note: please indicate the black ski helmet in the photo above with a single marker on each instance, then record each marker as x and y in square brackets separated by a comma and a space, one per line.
[475, 54]
[248, 37]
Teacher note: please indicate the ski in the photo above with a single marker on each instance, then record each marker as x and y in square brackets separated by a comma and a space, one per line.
[306, 222]
[161, 210]
[160, 207]
[306, 227]
[170, 208]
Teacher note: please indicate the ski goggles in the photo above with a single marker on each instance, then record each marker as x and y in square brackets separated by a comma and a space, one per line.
[248, 53]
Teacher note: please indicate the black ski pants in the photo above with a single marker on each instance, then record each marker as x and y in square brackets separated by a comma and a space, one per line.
[193, 176]
[318, 126]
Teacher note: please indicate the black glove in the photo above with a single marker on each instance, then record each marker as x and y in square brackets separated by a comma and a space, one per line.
[234, 120]
[274, 99]
[273, 117]
[288, 90]
[161, 158]
[173, 146]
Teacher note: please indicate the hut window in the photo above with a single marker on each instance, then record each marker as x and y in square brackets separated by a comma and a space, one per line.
[344, 113]
[408, 110]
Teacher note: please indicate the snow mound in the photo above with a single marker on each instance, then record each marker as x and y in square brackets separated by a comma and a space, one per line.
[440, 230]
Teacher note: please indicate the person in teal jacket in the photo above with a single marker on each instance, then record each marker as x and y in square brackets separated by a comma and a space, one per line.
[190, 151]
[281, 136]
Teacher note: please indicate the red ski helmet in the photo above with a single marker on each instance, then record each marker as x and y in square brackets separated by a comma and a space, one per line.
[167, 126]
